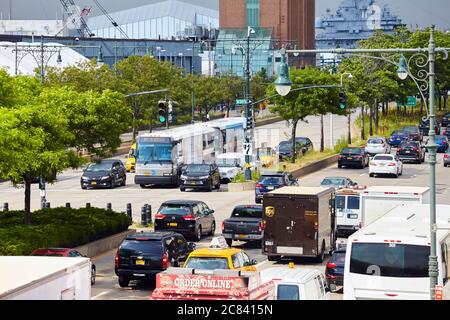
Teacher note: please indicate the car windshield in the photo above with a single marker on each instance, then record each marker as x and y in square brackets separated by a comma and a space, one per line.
[302, 141]
[247, 212]
[198, 168]
[351, 151]
[385, 158]
[410, 144]
[131, 246]
[153, 153]
[271, 180]
[285, 146]
[176, 209]
[227, 162]
[375, 141]
[101, 166]
[390, 260]
[333, 182]
[287, 292]
[399, 133]
[206, 263]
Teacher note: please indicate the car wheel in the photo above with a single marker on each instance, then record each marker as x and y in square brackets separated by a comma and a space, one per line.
[124, 182]
[213, 229]
[217, 187]
[142, 186]
[340, 166]
[363, 165]
[229, 242]
[113, 184]
[84, 188]
[182, 189]
[123, 282]
[274, 258]
[210, 187]
[371, 175]
[257, 200]
[198, 236]
[93, 275]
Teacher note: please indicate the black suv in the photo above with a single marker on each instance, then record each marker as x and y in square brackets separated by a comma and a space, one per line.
[200, 176]
[104, 174]
[424, 127]
[412, 151]
[271, 181]
[188, 217]
[302, 145]
[353, 157]
[414, 133]
[142, 255]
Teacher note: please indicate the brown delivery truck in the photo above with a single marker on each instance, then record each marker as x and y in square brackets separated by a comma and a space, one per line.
[299, 222]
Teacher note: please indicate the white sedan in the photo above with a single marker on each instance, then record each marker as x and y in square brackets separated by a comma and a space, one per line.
[386, 164]
[377, 145]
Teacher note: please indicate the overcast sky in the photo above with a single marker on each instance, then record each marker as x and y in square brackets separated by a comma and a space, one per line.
[420, 12]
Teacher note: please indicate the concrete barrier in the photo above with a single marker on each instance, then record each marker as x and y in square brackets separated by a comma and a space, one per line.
[101, 246]
[242, 186]
[313, 167]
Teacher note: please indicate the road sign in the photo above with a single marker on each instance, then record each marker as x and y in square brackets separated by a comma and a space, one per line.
[411, 101]
[241, 102]
[248, 149]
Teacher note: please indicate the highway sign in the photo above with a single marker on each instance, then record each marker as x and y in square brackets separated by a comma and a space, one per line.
[241, 102]
[411, 101]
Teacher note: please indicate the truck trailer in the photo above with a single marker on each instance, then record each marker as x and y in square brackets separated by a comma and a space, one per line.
[299, 222]
[45, 278]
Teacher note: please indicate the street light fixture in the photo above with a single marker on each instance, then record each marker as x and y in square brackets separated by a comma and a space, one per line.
[402, 70]
[283, 84]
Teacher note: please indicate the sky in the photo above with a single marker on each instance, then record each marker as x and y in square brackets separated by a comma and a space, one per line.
[420, 12]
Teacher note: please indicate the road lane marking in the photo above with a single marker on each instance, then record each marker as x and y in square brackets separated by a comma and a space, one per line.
[101, 294]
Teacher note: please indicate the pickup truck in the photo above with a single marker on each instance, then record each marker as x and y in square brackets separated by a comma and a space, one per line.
[245, 224]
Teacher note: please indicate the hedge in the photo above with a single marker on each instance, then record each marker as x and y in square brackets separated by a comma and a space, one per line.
[57, 227]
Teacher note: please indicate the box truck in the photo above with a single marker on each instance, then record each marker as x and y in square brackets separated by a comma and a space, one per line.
[45, 278]
[299, 222]
[377, 201]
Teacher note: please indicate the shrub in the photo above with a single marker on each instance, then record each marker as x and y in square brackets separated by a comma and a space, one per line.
[57, 227]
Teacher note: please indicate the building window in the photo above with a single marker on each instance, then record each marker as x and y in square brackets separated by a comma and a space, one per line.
[253, 15]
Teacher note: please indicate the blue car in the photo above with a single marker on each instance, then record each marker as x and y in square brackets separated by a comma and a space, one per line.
[398, 137]
[442, 142]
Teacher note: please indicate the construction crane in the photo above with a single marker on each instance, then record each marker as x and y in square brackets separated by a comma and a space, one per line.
[76, 18]
[114, 23]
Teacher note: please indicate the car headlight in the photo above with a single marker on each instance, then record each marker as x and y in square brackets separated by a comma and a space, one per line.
[167, 174]
[203, 177]
[106, 177]
[183, 177]
[84, 178]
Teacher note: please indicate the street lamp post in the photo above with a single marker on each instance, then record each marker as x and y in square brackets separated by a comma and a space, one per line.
[248, 106]
[423, 57]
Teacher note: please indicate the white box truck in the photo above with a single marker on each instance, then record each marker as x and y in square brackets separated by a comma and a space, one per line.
[377, 201]
[44, 278]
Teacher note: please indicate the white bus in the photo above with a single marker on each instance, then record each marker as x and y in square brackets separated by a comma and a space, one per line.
[388, 259]
[160, 156]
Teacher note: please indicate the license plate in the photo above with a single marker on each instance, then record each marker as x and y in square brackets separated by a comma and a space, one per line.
[242, 236]
[147, 174]
[93, 183]
[194, 183]
[269, 243]
[140, 262]
[270, 188]
[407, 151]
[173, 224]
[398, 139]
[349, 158]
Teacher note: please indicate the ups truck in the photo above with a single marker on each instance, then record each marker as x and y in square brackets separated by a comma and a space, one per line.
[299, 222]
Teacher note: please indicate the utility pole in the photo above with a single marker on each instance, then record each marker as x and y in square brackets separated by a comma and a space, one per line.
[248, 106]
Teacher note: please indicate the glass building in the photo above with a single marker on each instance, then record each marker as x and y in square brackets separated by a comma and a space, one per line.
[163, 20]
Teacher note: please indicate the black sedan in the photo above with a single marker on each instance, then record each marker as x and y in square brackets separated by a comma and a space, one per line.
[200, 176]
[411, 151]
[189, 217]
[104, 174]
[334, 271]
[142, 255]
[351, 157]
[414, 133]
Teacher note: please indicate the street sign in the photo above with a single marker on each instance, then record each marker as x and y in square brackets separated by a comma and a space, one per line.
[411, 101]
[248, 149]
[241, 102]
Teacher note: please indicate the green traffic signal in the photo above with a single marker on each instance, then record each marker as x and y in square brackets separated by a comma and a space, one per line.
[162, 119]
[342, 101]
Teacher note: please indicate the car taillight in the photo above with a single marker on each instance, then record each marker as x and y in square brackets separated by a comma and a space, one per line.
[416, 149]
[116, 260]
[165, 260]
[446, 156]
[358, 157]
[223, 225]
[316, 226]
[159, 216]
[373, 163]
[259, 186]
[189, 217]
[400, 150]
[340, 156]
[392, 164]
[331, 265]
[262, 226]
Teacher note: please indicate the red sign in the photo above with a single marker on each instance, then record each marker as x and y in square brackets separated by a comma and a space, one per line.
[198, 282]
[438, 292]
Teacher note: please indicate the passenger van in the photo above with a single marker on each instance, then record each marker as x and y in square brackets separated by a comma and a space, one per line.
[388, 259]
[348, 212]
[297, 284]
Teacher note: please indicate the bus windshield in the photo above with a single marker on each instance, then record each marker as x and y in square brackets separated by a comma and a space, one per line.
[153, 153]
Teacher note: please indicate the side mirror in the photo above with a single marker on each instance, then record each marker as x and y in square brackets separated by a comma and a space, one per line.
[254, 262]
[191, 246]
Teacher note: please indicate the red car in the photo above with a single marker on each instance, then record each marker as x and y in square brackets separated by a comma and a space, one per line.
[63, 252]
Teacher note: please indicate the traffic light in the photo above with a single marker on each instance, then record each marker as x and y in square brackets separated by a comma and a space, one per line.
[250, 122]
[162, 111]
[342, 100]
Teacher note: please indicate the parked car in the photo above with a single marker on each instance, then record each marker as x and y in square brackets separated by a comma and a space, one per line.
[442, 142]
[142, 255]
[104, 174]
[189, 217]
[230, 164]
[414, 133]
[334, 271]
[447, 158]
[351, 157]
[386, 164]
[219, 256]
[65, 252]
[200, 176]
[412, 151]
[424, 127]
[377, 145]
[305, 143]
[297, 283]
[302, 145]
[271, 181]
[445, 122]
[398, 137]
[337, 182]
[245, 224]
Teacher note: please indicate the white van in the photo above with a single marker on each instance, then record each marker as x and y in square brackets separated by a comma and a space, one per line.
[230, 164]
[296, 283]
[348, 212]
[388, 259]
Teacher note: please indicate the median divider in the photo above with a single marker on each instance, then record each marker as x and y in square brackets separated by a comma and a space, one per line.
[315, 166]
[104, 245]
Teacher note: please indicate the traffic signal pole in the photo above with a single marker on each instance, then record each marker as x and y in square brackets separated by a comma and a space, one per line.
[248, 108]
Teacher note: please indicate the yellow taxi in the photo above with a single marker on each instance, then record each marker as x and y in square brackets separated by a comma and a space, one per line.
[219, 256]
[131, 159]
